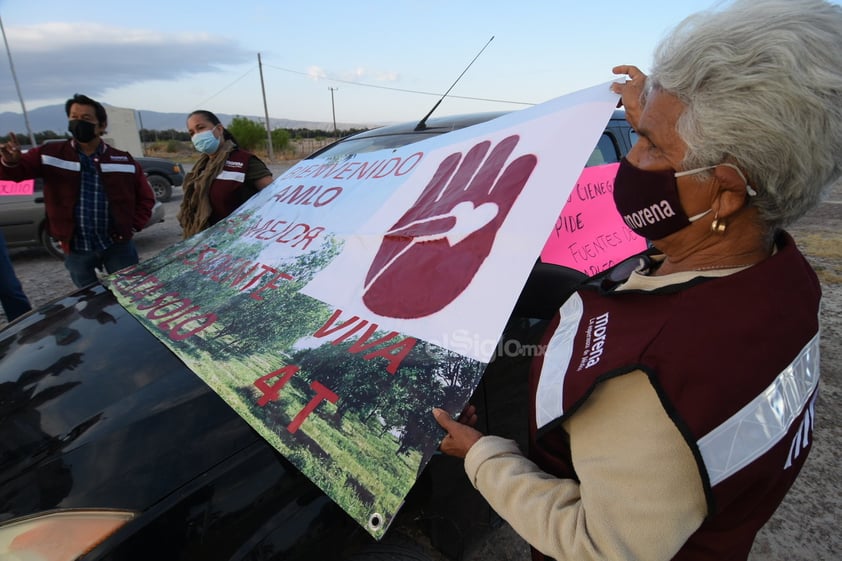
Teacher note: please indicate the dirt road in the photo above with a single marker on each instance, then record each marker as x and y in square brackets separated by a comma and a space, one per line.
[805, 528]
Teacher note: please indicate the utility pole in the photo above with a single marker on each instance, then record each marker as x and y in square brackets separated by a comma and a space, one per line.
[333, 108]
[265, 110]
[140, 132]
[17, 87]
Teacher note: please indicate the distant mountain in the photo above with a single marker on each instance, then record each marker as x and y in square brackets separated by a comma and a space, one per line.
[49, 118]
[53, 118]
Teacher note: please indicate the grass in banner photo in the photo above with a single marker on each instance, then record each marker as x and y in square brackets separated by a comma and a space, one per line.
[346, 402]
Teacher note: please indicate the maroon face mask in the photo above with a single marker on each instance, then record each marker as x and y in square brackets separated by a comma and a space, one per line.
[648, 201]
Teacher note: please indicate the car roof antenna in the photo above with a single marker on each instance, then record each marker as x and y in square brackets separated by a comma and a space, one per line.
[422, 124]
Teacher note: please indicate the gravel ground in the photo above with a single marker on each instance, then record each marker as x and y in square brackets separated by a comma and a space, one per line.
[805, 528]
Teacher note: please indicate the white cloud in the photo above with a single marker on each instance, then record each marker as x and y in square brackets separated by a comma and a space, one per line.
[316, 73]
[54, 60]
[388, 77]
[361, 74]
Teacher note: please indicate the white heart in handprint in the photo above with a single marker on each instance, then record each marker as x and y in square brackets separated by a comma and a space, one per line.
[431, 253]
[469, 219]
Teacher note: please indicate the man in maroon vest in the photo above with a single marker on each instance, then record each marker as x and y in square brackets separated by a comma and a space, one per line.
[96, 196]
[673, 406]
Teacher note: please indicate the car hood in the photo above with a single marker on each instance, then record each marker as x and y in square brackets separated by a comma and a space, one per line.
[96, 412]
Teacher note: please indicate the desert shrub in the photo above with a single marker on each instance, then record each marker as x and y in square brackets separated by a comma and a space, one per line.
[280, 140]
[249, 134]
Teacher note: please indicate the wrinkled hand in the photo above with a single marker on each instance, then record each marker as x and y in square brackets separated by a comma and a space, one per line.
[10, 151]
[431, 254]
[631, 90]
[461, 434]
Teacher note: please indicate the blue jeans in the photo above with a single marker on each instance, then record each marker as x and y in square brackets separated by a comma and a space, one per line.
[83, 264]
[14, 301]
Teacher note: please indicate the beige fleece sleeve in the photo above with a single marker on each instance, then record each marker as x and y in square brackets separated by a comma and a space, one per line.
[640, 495]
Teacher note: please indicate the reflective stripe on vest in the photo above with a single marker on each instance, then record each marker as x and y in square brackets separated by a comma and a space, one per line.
[762, 423]
[118, 168]
[237, 176]
[59, 163]
[549, 405]
[738, 441]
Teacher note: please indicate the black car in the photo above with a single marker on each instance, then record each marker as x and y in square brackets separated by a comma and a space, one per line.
[162, 175]
[616, 140]
[111, 448]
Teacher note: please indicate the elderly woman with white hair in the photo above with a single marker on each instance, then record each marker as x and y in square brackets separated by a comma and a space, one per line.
[674, 405]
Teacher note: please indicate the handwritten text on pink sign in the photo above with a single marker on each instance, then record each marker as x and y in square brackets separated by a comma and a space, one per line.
[17, 188]
[590, 235]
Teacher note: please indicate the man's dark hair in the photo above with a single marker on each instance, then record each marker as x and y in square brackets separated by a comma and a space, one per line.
[101, 116]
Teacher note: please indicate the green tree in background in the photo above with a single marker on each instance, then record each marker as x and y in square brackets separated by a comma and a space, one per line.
[249, 134]
[280, 139]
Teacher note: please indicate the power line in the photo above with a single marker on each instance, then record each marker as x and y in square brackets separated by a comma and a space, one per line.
[365, 85]
[249, 71]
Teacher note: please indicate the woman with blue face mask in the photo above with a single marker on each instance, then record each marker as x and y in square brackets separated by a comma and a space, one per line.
[224, 177]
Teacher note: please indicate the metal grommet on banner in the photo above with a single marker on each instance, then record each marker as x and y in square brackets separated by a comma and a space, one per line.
[375, 521]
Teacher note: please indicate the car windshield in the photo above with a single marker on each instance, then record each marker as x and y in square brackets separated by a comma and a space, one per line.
[371, 143]
[396, 136]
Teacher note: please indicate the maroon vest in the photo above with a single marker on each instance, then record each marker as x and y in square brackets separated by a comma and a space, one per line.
[130, 199]
[228, 192]
[735, 362]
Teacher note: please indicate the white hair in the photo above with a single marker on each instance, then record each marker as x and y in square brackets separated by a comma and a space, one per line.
[762, 85]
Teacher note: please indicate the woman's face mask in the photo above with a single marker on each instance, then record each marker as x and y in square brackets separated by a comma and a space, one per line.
[648, 201]
[205, 142]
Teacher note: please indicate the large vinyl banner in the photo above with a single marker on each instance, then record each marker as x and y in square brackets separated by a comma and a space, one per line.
[348, 298]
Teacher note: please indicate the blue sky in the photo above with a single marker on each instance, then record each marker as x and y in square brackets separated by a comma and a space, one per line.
[387, 60]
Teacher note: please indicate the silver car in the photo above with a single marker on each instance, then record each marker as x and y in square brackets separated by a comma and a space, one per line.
[24, 223]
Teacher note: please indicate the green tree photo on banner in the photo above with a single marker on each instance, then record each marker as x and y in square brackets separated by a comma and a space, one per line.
[337, 306]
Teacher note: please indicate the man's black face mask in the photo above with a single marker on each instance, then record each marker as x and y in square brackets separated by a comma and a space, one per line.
[82, 131]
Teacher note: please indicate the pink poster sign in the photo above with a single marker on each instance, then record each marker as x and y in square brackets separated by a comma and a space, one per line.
[8, 188]
[589, 235]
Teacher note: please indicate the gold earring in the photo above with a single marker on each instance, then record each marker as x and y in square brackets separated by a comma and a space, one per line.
[718, 226]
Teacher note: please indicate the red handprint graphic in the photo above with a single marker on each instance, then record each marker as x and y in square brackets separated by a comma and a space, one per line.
[433, 251]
